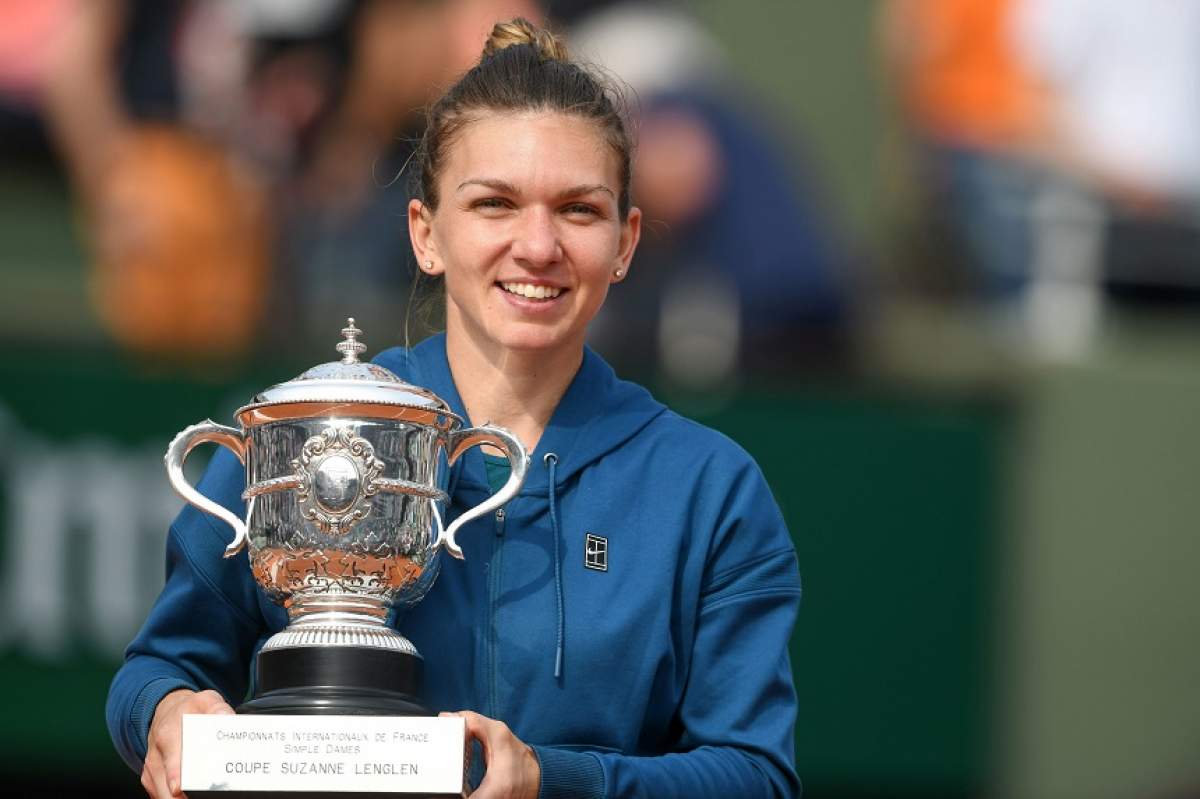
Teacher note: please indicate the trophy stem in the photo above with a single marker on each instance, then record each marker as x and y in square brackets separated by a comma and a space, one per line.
[339, 620]
[353, 608]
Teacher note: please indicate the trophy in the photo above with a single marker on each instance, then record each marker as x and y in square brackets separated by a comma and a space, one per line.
[343, 482]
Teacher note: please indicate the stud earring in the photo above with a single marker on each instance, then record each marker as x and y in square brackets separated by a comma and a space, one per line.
[429, 266]
[618, 273]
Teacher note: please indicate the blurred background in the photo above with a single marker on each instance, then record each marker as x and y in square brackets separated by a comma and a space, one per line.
[935, 263]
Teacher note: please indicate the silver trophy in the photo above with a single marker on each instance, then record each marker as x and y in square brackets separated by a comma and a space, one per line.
[343, 483]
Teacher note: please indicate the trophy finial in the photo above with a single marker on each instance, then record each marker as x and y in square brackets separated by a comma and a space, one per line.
[351, 347]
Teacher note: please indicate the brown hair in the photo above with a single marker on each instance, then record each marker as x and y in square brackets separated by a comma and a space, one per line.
[522, 68]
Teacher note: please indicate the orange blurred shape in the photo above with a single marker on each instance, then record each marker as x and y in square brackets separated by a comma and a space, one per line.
[180, 239]
[967, 83]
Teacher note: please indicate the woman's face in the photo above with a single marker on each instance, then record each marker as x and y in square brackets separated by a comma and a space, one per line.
[527, 230]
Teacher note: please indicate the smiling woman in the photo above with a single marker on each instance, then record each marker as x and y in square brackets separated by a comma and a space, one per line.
[529, 236]
[524, 206]
[618, 629]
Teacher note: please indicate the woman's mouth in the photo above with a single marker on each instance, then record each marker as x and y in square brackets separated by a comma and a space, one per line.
[531, 292]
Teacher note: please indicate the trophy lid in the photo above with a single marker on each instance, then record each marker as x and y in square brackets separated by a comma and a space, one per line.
[344, 384]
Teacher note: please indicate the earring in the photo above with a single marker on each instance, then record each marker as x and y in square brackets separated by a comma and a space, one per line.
[429, 266]
[618, 273]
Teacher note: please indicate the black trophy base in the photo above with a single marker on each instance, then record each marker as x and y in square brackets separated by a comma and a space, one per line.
[337, 681]
[329, 701]
[334, 681]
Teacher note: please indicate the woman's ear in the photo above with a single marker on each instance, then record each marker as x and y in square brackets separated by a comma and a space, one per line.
[420, 233]
[631, 233]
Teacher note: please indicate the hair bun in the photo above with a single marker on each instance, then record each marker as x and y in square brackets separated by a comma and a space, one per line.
[521, 31]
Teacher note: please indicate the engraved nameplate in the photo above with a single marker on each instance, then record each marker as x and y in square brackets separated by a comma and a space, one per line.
[365, 754]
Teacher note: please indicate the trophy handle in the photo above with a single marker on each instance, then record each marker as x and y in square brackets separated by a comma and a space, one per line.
[177, 452]
[458, 442]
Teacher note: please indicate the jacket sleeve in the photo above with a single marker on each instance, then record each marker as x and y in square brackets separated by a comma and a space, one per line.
[738, 712]
[202, 629]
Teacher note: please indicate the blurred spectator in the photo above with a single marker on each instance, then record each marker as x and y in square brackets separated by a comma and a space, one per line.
[218, 147]
[134, 271]
[1125, 126]
[738, 268]
[1056, 139]
[221, 147]
[976, 115]
[176, 226]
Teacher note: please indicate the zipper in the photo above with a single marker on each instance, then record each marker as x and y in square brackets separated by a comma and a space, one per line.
[494, 587]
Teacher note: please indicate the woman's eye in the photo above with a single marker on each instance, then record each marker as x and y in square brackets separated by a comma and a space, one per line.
[581, 209]
[490, 202]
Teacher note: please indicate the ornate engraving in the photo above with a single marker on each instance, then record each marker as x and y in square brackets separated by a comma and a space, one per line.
[391, 485]
[311, 572]
[269, 486]
[337, 474]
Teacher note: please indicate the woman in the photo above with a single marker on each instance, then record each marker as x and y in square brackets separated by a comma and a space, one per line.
[657, 669]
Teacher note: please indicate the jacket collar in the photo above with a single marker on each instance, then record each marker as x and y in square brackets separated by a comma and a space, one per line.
[596, 415]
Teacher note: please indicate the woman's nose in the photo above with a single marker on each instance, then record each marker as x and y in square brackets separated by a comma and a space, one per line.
[536, 238]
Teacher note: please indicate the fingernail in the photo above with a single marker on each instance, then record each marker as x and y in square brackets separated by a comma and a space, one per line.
[173, 786]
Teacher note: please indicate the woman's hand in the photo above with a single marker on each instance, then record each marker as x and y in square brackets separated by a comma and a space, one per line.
[512, 767]
[160, 774]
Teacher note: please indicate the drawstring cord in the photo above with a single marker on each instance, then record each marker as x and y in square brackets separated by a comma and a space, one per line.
[551, 461]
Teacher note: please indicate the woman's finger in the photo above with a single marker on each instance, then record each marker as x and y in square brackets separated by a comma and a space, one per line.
[512, 770]
[154, 777]
[211, 702]
[477, 728]
[168, 742]
[163, 769]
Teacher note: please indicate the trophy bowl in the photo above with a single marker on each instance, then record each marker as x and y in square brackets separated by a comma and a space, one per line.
[344, 476]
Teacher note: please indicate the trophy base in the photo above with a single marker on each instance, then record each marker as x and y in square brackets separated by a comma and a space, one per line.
[337, 681]
[257, 756]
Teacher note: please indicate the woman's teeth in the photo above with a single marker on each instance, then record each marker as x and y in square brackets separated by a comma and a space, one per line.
[531, 292]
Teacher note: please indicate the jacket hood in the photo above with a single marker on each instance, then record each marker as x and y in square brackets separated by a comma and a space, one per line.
[597, 414]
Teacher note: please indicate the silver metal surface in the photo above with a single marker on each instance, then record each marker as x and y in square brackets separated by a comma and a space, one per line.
[351, 348]
[177, 451]
[342, 519]
[458, 442]
[343, 634]
[348, 381]
[336, 472]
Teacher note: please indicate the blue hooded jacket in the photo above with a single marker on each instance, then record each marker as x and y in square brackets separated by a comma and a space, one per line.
[665, 675]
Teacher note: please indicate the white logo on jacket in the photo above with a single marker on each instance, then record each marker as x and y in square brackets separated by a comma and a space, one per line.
[595, 552]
